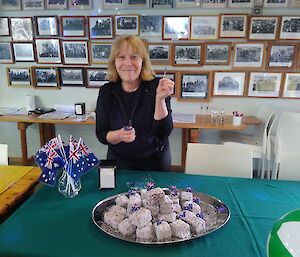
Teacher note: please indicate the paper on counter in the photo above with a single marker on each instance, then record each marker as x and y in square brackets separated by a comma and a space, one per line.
[184, 118]
[64, 108]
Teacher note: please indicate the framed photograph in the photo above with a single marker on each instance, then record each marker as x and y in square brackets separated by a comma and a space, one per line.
[188, 3]
[99, 52]
[56, 4]
[46, 26]
[290, 27]
[204, 27]
[295, 3]
[48, 50]
[291, 86]
[96, 77]
[176, 27]
[248, 55]
[114, 4]
[80, 4]
[19, 77]
[217, 53]
[71, 77]
[10, 5]
[23, 52]
[282, 55]
[126, 24]
[137, 4]
[4, 27]
[100, 27]
[75, 52]
[229, 83]
[263, 27]
[214, 4]
[167, 74]
[194, 86]
[276, 3]
[187, 54]
[21, 28]
[72, 26]
[240, 3]
[45, 77]
[33, 5]
[162, 4]
[233, 25]
[159, 53]
[6, 54]
[264, 84]
[150, 26]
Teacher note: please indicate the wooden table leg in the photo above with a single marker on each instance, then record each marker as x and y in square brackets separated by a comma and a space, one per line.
[194, 135]
[47, 132]
[22, 126]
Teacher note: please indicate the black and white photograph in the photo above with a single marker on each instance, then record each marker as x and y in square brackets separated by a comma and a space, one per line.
[80, 4]
[75, 52]
[126, 24]
[21, 29]
[264, 84]
[167, 74]
[248, 55]
[71, 77]
[151, 26]
[33, 5]
[4, 27]
[46, 26]
[276, 3]
[56, 4]
[240, 3]
[23, 52]
[233, 25]
[99, 52]
[48, 50]
[214, 4]
[6, 55]
[217, 53]
[281, 55]
[73, 26]
[137, 4]
[204, 27]
[229, 83]
[187, 54]
[96, 77]
[290, 27]
[45, 77]
[114, 4]
[188, 3]
[263, 28]
[19, 77]
[10, 5]
[159, 53]
[291, 88]
[176, 27]
[100, 27]
[162, 4]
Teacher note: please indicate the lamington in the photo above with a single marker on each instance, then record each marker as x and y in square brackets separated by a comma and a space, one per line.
[155, 196]
[113, 219]
[145, 233]
[140, 217]
[122, 201]
[126, 228]
[163, 230]
[180, 229]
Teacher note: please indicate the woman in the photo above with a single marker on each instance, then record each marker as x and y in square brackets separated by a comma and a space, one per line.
[133, 113]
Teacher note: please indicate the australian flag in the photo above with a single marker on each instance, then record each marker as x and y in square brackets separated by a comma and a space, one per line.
[90, 158]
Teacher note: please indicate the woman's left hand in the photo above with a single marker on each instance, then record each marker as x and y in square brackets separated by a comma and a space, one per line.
[165, 88]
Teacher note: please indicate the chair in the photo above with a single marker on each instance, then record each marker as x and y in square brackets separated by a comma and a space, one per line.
[219, 160]
[3, 154]
[289, 166]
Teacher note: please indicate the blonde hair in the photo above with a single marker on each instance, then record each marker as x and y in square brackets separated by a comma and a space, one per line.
[138, 46]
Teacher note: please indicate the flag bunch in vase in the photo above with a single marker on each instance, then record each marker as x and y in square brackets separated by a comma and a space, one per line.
[75, 159]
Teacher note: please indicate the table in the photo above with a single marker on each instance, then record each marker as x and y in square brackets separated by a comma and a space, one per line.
[49, 225]
[190, 131]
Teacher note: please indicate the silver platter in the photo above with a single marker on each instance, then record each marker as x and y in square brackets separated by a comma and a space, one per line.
[215, 213]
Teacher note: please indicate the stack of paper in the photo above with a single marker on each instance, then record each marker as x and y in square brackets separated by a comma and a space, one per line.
[55, 115]
[184, 118]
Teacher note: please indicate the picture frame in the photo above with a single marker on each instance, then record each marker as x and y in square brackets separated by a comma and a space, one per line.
[194, 86]
[295, 4]
[229, 83]
[48, 50]
[281, 55]
[71, 77]
[216, 4]
[46, 26]
[160, 53]
[151, 26]
[12, 5]
[131, 4]
[127, 25]
[75, 52]
[289, 28]
[167, 74]
[21, 28]
[162, 4]
[264, 84]
[249, 55]
[240, 4]
[23, 52]
[6, 53]
[217, 53]
[204, 27]
[96, 77]
[291, 85]
[72, 26]
[19, 77]
[80, 4]
[187, 4]
[114, 4]
[33, 5]
[56, 4]
[99, 52]
[275, 3]
[263, 27]
[187, 54]
[233, 25]
[176, 28]
[45, 77]
[100, 27]
[4, 27]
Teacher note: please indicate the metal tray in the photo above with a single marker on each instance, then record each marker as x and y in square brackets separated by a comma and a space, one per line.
[216, 214]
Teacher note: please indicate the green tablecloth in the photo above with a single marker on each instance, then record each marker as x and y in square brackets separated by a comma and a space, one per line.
[49, 225]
